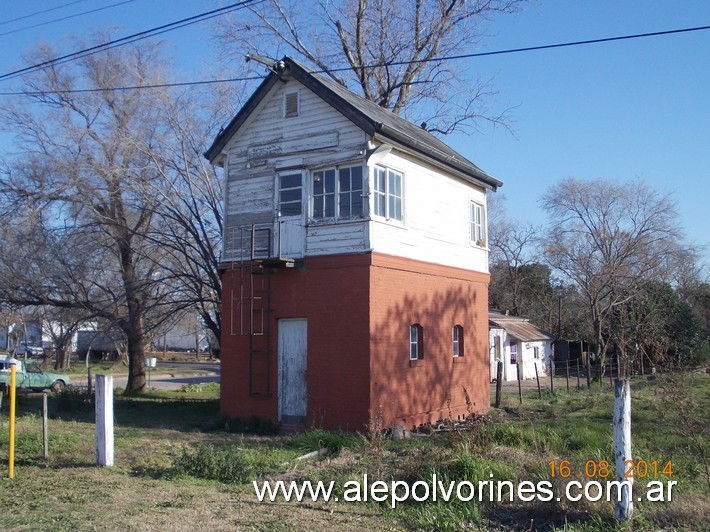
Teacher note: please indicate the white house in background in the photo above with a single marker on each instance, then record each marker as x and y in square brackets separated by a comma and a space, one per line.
[519, 345]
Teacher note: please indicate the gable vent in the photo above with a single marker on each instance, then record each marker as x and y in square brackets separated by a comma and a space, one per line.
[291, 104]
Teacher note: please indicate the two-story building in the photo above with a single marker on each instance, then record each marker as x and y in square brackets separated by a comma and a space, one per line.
[355, 262]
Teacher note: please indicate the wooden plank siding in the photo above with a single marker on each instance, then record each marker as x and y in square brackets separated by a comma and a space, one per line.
[347, 237]
[269, 143]
[436, 206]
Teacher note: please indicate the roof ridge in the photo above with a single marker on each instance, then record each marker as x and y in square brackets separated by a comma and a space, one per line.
[366, 114]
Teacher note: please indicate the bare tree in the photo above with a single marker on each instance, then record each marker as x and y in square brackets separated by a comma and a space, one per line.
[610, 238]
[82, 176]
[190, 211]
[59, 325]
[394, 50]
[512, 258]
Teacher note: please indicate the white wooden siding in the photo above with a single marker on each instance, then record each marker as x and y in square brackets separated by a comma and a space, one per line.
[268, 143]
[436, 225]
[525, 356]
[436, 206]
[327, 239]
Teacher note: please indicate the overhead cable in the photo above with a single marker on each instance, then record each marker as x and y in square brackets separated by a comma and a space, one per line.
[130, 38]
[377, 65]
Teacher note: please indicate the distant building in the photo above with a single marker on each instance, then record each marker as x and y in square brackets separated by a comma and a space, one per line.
[520, 345]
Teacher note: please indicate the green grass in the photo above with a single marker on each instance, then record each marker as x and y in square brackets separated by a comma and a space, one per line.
[178, 462]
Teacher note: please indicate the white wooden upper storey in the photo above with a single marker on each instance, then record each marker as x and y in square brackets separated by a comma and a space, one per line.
[303, 169]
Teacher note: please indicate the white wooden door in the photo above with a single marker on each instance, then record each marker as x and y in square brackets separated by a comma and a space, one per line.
[292, 349]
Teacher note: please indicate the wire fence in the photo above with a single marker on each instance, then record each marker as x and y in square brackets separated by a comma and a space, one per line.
[571, 374]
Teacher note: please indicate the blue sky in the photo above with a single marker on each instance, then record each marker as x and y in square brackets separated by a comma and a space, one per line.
[620, 110]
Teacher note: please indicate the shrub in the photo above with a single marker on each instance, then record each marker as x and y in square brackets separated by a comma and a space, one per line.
[73, 400]
[316, 439]
[231, 464]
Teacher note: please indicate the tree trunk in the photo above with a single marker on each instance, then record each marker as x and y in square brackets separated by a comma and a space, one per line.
[60, 362]
[622, 446]
[136, 362]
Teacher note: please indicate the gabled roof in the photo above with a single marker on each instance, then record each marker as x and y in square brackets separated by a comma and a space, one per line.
[374, 120]
[520, 328]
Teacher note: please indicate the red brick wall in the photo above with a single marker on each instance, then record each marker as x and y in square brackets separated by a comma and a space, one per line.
[406, 292]
[359, 309]
[332, 294]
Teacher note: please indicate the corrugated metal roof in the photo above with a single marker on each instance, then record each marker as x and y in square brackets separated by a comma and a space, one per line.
[520, 328]
[367, 115]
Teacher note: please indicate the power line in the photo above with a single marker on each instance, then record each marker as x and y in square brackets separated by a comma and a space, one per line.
[376, 65]
[578, 43]
[40, 12]
[65, 18]
[131, 38]
[136, 87]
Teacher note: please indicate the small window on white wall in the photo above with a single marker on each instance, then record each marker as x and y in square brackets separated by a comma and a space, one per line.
[388, 193]
[478, 224]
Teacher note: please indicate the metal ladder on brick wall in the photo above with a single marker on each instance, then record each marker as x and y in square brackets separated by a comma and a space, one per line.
[251, 306]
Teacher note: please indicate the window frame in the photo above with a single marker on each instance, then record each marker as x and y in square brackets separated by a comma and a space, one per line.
[280, 202]
[387, 195]
[416, 342]
[457, 343]
[513, 352]
[478, 229]
[337, 193]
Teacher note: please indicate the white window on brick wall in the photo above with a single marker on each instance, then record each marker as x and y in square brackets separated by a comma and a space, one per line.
[457, 340]
[416, 342]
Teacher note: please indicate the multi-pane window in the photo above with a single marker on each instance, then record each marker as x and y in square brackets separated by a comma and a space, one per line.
[290, 190]
[388, 193]
[457, 340]
[337, 193]
[350, 188]
[415, 342]
[536, 353]
[478, 224]
[324, 194]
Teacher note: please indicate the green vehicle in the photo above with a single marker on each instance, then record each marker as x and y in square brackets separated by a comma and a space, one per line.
[30, 376]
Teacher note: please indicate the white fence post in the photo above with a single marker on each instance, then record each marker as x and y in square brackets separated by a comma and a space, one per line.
[104, 420]
[622, 447]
